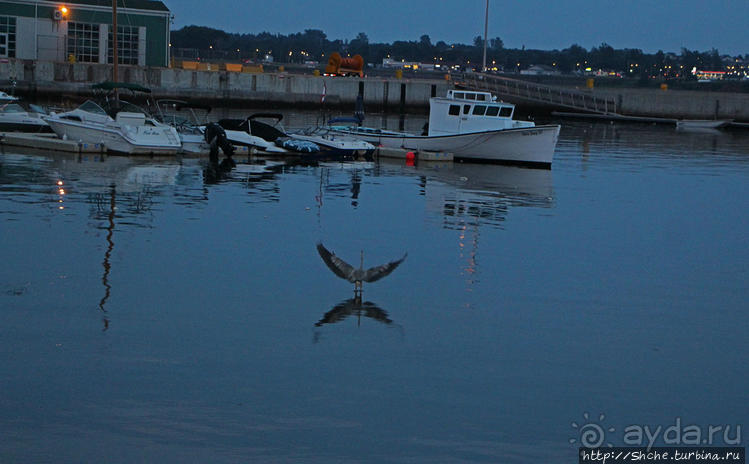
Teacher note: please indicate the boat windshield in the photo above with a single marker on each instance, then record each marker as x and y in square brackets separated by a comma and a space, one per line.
[12, 108]
[112, 107]
[178, 113]
[91, 107]
[130, 108]
[37, 109]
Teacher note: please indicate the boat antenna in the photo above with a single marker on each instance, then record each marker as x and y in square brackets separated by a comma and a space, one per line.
[486, 33]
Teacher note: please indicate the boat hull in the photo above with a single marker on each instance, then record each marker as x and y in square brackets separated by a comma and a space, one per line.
[151, 141]
[339, 146]
[702, 124]
[194, 144]
[22, 122]
[24, 127]
[532, 146]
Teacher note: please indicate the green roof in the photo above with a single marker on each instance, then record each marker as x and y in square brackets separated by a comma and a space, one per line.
[135, 4]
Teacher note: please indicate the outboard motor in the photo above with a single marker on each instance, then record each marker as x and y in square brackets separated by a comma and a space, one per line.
[216, 138]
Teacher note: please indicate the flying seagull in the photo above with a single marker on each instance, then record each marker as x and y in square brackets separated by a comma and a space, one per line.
[346, 271]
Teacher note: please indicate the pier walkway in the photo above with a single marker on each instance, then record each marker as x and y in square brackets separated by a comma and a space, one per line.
[515, 89]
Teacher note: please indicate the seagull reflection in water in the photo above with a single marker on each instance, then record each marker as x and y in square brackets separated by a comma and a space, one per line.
[354, 306]
[358, 308]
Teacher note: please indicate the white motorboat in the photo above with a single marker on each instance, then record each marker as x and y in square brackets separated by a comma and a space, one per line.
[131, 131]
[240, 132]
[5, 97]
[473, 126]
[335, 143]
[702, 123]
[273, 138]
[242, 138]
[14, 117]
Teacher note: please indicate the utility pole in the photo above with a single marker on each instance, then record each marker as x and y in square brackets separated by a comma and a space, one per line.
[486, 33]
[115, 57]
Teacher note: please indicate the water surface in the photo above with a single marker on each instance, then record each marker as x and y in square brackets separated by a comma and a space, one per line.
[150, 311]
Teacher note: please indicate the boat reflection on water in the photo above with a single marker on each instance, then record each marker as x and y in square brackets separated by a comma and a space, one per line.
[481, 194]
[467, 197]
[120, 192]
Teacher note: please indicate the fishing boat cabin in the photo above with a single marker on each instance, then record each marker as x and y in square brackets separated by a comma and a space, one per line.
[464, 111]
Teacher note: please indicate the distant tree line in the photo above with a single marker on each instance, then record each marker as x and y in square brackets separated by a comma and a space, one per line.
[314, 45]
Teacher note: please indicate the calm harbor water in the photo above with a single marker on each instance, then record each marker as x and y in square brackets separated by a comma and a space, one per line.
[151, 312]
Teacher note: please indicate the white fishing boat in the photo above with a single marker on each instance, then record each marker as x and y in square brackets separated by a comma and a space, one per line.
[473, 126]
[702, 123]
[131, 131]
[14, 117]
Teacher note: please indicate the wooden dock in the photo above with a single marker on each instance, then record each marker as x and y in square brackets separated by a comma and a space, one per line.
[48, 142]
[416, 155]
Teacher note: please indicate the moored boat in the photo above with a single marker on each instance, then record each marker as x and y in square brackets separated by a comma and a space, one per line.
[5, 97]
[473, 126]
[702, 123]
[334, 143]
[16, 118]
[121, 127]
[254, 134]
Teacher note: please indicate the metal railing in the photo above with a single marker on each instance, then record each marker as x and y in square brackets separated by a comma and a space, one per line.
[538, 93]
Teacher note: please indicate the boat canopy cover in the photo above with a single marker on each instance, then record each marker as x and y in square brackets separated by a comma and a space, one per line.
[260, 129]
[300, 146]
[109, 85]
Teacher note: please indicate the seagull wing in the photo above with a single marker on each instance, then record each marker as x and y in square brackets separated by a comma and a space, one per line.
[339, 312]
[376, 313]
[378, 272]
[339, 267]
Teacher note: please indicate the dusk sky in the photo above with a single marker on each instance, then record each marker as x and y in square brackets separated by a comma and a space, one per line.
[646, 24]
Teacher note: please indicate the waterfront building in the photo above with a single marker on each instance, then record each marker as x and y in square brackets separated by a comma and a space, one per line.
[81, 31]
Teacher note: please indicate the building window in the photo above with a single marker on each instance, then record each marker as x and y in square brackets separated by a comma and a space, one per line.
[83, 42]
[127, 45]
[7, 37]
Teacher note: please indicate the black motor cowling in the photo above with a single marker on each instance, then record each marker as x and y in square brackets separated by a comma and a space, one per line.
[216, 138]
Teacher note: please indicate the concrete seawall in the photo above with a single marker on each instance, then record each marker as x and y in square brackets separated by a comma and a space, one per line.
[679, 104]
[47, 79]
[52, 80]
